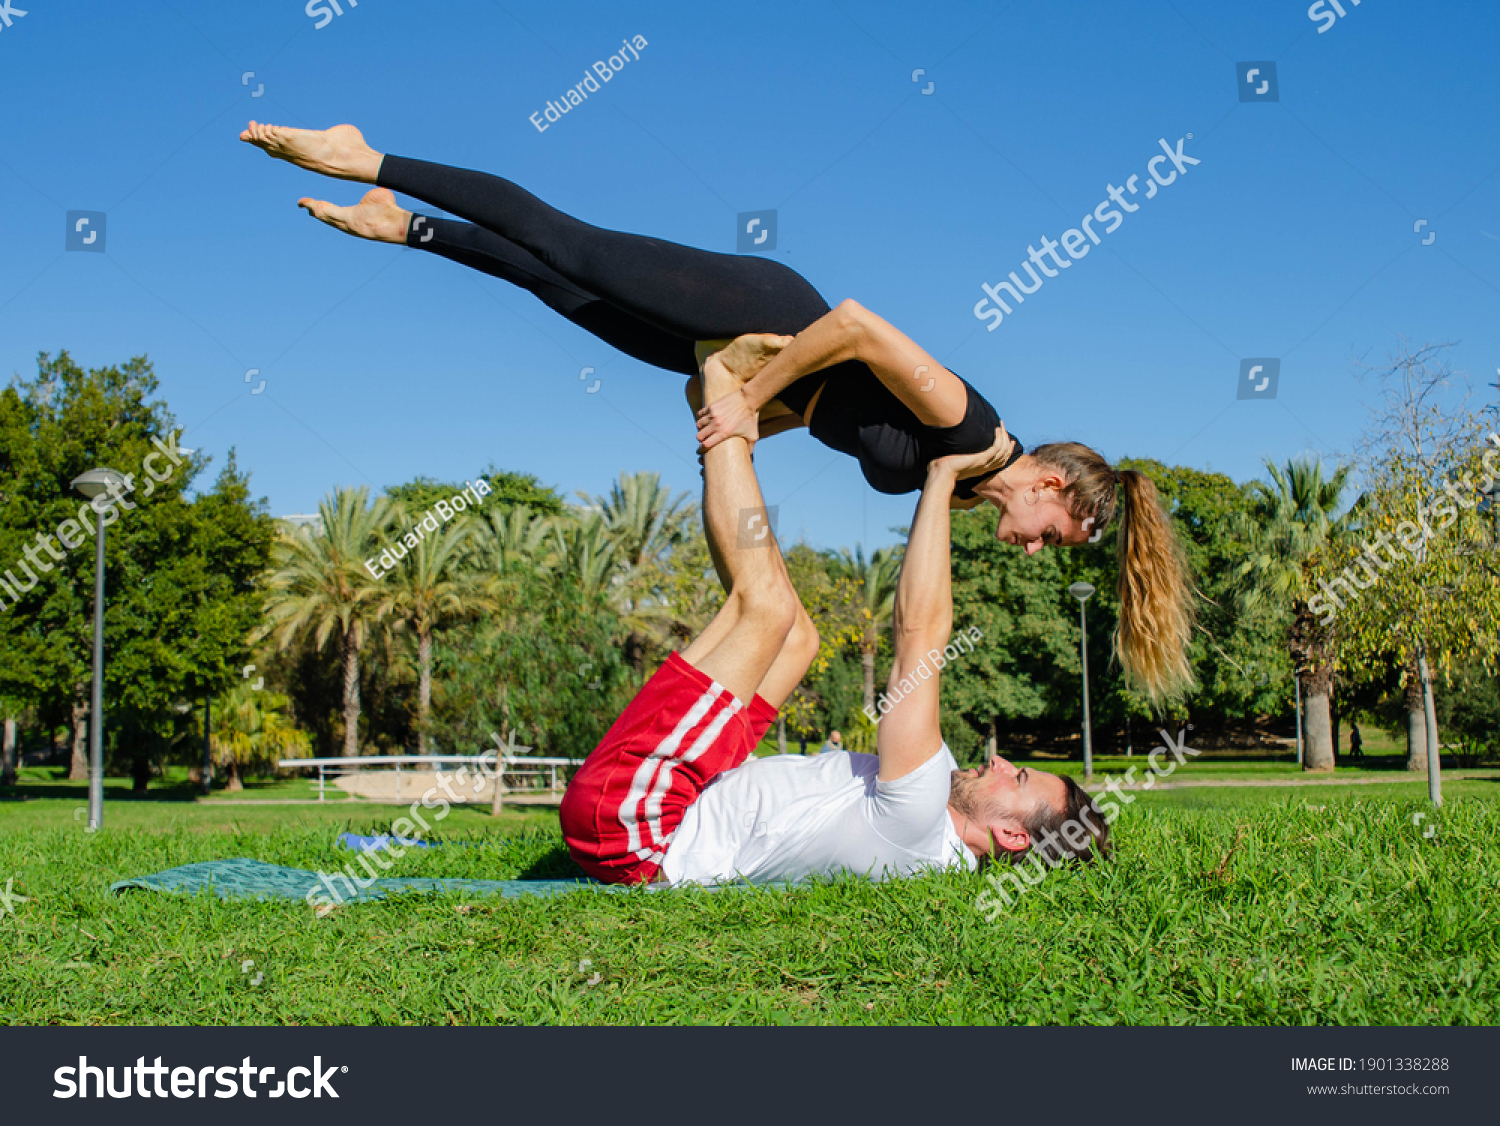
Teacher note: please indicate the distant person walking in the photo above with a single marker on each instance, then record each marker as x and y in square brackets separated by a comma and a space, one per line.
[835, 743]
[1356, 744]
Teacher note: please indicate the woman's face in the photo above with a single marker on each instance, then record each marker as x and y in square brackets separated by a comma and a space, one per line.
[1044, 523]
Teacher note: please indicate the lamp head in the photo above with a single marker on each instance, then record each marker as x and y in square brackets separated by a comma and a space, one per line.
[1081, 591]
[98, 481]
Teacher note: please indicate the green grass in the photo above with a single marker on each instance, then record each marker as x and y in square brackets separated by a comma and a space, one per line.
[1343, 914]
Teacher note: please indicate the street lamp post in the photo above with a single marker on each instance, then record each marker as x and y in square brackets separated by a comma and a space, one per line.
[1083, 592]
[92, 484]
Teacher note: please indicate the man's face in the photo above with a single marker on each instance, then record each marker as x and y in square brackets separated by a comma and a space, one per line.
[999, 798]
[1043, 524]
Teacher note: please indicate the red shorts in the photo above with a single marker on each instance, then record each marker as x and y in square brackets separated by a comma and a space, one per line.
[624, 804]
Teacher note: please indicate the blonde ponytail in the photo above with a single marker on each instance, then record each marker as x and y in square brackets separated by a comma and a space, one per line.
[1155, 593]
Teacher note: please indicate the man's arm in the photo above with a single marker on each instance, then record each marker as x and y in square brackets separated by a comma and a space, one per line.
[923, 617]
[921, 622]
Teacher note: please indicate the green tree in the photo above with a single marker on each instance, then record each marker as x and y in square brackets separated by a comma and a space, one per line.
[508, 490]
[874, 579]
[427, 592]
[182, 576]
[645, 523]
[253, 733]
[1414, 584]
[1293, 521]
[321, 587]
[1025, 661]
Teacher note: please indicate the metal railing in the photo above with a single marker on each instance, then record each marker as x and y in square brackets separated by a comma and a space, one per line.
[516, 766]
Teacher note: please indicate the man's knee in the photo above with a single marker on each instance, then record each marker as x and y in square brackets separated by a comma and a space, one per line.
[802, 640]
[771, 604]
[693, 392]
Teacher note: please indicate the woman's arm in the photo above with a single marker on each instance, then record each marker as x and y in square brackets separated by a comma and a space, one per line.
[849, 332]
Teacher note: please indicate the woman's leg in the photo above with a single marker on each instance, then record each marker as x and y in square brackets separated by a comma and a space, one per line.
[380, 218]
[694, 294]
[483, 250]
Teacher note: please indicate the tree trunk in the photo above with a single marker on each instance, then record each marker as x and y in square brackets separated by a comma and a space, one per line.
[1416, 722]
[867, 664]
[232, 781]
[1434, 741]
[1317, 731]
[781, 735]
[994, 742]
[78, 768]
[1334, 718]
[497, 800]
[140, 774]
[424, 687]
[351, 695]
[8, 770]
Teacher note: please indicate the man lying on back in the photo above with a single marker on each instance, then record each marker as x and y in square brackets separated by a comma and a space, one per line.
[669, 795]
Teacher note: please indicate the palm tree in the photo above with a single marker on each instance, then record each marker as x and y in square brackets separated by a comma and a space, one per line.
[643, 518]
[427, 591]
[643, 522]
[254, 731]
[583, 546]
[1291, 521]
[321, 586]
[876, 579]
[508, 537]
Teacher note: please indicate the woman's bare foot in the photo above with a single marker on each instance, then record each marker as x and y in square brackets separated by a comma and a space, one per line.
[376, 217]
[339, 152]
[743, 357]
[718, 379]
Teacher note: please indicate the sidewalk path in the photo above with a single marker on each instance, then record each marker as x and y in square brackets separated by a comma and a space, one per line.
[1402, 778]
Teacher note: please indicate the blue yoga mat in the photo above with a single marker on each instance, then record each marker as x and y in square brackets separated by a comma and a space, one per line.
[255, 879]
[379, 841]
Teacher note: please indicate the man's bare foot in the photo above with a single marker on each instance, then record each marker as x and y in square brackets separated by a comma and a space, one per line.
[376, 217]
[339, 152]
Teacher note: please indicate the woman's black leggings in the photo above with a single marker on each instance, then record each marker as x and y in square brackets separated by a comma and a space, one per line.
[650, 298]
[653, 299]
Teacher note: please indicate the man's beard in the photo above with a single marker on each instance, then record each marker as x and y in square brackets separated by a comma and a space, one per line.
[963, 796]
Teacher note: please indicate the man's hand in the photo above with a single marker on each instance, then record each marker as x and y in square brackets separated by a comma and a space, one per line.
[725, 418]
[959, 466]
[743, 357]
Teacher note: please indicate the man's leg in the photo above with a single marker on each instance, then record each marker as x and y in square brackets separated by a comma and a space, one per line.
[742, 643]
[797, 651]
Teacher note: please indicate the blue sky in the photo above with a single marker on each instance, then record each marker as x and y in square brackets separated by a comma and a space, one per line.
[1293, 238]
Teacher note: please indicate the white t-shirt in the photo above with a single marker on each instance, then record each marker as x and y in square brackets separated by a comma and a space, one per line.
[786, 816]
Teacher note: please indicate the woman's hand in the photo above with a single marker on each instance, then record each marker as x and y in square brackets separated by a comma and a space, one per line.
[977, 465]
